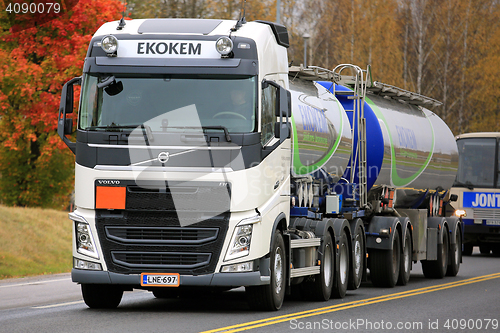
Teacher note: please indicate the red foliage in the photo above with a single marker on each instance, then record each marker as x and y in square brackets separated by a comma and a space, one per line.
[34, 65]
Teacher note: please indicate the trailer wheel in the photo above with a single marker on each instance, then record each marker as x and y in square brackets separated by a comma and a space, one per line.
[321, 288]
[436, 269]
[101, 296]
[455, 256]
[342, 274]
[406, 256]
[468, 247]
[270, 297]
[384, 264]
[358, 260]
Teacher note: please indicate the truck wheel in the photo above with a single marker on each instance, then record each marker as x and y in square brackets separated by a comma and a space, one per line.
[270, 297]
[455, 256]
[358, 260]
[342, 274]
[436, 269]
[321, 288]
[496, 249]
[406, 256]
[484, 249]
[467, 249]
[101, 296]
[384, 264]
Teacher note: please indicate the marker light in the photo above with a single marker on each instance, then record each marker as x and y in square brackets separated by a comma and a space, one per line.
[109, 44]
[224, 45]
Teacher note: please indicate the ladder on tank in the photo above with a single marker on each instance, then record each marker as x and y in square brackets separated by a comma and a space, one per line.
[358, 83]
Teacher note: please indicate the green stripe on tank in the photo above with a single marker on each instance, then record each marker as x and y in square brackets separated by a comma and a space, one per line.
[297, 164]
[396, 180]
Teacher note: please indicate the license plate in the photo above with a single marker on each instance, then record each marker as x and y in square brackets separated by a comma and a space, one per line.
[160, 279]
[492, 222]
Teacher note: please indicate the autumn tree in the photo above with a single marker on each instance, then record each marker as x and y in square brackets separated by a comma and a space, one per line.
[36, 169]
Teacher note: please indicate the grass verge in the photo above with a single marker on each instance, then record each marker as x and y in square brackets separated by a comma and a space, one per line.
[34, 241]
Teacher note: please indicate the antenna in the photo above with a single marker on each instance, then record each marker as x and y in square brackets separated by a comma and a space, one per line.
[122, 23]
[242, 20]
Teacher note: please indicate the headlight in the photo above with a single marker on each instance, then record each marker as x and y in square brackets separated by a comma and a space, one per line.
[84, 240]
[460, 213]
[109, 44]
[241, 239]
[224, 45]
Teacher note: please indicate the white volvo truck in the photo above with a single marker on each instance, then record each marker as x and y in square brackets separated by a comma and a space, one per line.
[205, 162]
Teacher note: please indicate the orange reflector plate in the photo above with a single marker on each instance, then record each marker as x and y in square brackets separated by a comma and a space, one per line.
[107, 197]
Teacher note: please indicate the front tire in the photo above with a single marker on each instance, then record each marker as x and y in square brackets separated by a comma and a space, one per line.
[270, 297]
[101, 296]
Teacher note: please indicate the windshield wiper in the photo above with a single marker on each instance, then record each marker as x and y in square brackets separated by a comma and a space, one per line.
[467, 184]
[218, 127]
[117, 128]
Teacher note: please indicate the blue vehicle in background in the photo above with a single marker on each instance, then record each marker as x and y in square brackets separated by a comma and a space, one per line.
[478, 189]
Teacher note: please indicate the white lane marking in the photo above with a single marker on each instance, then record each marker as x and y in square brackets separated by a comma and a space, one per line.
[36, 282]
[57, 305]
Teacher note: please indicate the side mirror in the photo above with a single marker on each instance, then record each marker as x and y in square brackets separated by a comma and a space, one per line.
[282, 131]
[64, 125]
[284, 100]
[68, 126]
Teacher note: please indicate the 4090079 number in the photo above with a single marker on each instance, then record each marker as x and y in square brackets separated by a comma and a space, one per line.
[33, 8]
[471, 324]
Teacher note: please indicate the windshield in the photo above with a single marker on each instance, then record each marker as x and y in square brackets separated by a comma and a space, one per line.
[168, 103]
[476, 166]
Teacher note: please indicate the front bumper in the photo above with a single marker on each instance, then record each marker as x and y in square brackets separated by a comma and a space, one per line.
[209, 280]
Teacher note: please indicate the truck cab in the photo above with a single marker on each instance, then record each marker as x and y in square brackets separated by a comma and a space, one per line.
[178, 122]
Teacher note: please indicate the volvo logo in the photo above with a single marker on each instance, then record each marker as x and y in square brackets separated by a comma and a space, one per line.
[163, 157]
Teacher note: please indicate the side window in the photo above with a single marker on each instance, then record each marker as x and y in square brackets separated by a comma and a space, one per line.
[89, 100]
[268, 115]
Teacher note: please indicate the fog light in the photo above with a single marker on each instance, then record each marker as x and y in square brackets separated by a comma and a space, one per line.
[238, 268]
[224, 45]
[88, 265]
[109, 44]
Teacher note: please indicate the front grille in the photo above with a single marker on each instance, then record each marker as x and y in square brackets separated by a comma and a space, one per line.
[493, 214]
[175, 260]
[163, 235]
[150, 241]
